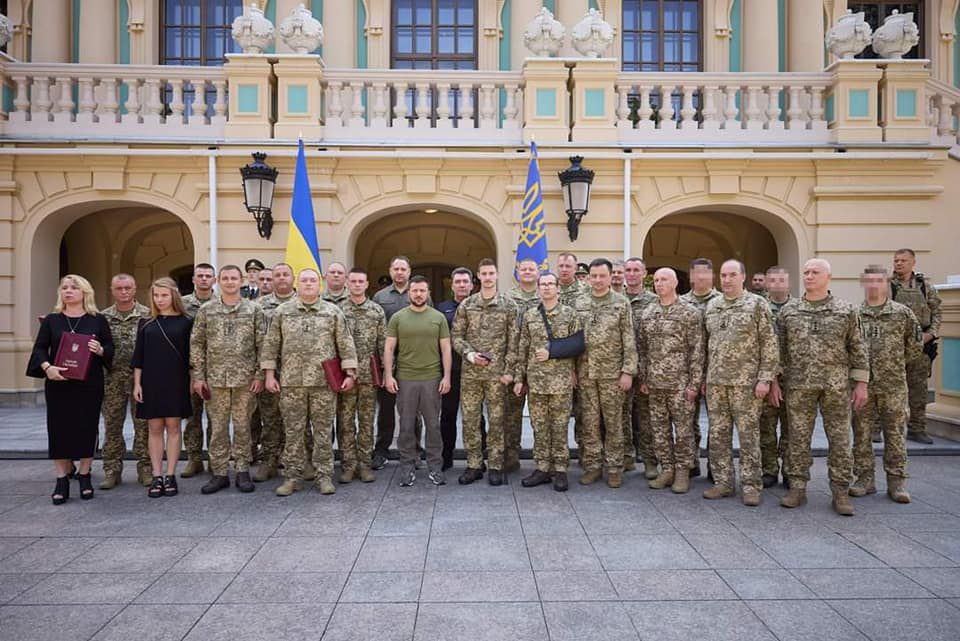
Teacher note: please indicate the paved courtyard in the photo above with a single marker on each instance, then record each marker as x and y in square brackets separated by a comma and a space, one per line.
[380, 562]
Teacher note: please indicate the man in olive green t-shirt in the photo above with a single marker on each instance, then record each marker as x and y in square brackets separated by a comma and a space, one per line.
[419, 337]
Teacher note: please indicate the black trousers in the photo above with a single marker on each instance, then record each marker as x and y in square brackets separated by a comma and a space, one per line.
[386, 421]
[449, 407]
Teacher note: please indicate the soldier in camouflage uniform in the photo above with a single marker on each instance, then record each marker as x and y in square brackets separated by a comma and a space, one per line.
[271, 438]
[224, 349]
[549, 381]
[526, 296]
[617, 276]
[637, 432]
[604, 373]
[893, 336]
[572, 288]
[303, 334]
[670, 355]
[823, 351]
[701, 293]
[485, 335]
[265, 288]
[772, 450]
[124, 318]
[335, 284]
[355, 410]
[742, 359]
[912, 289]
[204, 277]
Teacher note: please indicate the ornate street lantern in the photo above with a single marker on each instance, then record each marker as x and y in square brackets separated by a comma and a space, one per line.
[259, 179]
[575, 182]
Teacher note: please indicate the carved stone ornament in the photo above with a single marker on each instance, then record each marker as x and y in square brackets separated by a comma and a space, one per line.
[252, 31]
[544, 35]
[849, 36]
[592, 35]
[896, 36]
[301, 31]
[6, 30]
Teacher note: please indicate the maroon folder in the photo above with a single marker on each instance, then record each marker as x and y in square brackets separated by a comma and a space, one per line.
[74, 355]
[376, 371]
[334, 374]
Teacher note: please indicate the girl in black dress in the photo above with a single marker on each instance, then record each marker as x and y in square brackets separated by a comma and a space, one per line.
[161, 380]
[73, 407]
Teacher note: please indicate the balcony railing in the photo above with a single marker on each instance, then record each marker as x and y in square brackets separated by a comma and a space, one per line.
[943, 113]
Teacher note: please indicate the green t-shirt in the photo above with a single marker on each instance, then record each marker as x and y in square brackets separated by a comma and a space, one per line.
[418, 337]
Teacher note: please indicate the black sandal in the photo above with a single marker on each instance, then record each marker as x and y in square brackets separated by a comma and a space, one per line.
[156, 488]
[170, 485]
[73, 473]
[86, 486]
[62, 490]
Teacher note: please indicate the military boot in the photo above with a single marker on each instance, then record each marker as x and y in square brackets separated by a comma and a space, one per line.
[309, 472]
[243, 482]
[367, 475]
[193, 467]
[750, 496]
[110, 480]
[265, 471]
[795, 497]
[650, 471]
[717, 492]
[841, 499]
[591, 476]
[614, 479]
[288, 487]
[326, 486]
[681, 481]
[664, 479]
[538, 477]
[897, 489]
[511, 463]
[863, 485]
[629, 463]
[145, 477]
[215, 484]
[560, 481]
[347, 475]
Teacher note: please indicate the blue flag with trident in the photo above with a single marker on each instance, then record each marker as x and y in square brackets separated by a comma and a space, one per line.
[533, 225]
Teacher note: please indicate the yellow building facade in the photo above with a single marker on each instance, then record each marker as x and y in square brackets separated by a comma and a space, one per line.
[718, 128]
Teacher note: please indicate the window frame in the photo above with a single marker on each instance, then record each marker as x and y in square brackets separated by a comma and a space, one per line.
[624, 62]
[204, 27]
[435, 57]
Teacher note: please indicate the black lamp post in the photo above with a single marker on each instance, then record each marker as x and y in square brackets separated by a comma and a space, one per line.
[259, 179]
[575, 181]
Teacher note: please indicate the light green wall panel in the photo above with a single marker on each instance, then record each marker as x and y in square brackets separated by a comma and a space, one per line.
[248, 99]
[297, 99]
[593, 103]
[906, 103]
[546, 101]
[858, 103]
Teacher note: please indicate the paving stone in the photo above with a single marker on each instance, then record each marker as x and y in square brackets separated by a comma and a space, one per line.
[45, 622]
[670, 585]
[46, 555]
[574, 585]
[896, 620]
[729, 551]
[645, 552]
[907, 523]
[480, 622]
[382, 587]
[445, 587]
[132, 555]
[252, 621]
[589, 621]
[151, 623]
[562, 552]
[219, 555]
[13, 585]
[897, 550]
[804, 621]
[685, 620]
[306, 554]
[944, 582]
[465, 524]
[287, 587]
[186, 588]
[812, 548]
[552, 525]
[361, 622]
[871, 583]
[86, 588]
[11, 544]
[392, 554]
[765, 584]
[453, 553]
[945, 543]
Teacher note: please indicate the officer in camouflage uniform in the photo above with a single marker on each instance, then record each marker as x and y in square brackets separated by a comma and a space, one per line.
[303, 334]
[485, 335]
[335, 284]
[124, 318]
[356, 408]
[701, 293]
[772, 451]
[526, 296]
[271, 438]
[742, 359]
[617, 276]
[224, 349]
[637, 432]
[204, 277]
[549, 381]
[912, 289]
[670, 355]
[823, 351]
[604, 374]
[572, 288]
[893, 336]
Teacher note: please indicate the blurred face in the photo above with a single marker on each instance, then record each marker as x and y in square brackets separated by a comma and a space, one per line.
[163, 299]
[633, 274]
[308, 285]
[357, 283]
[599, 278]
[874, 286]
[70, 292]
[400, 272]
[230, 281]
[903, 264]
[566, 269]
[203, 278]
[549, 288]
[583, 276]
[488, 277]
[461, 285]
[527, 272]
[731, 279]
[265, 280]
[758, 282]
[253, 276]
[701, 278]
[616, 276]
[816, 276]
[419, 293]
[665, 283]
[778, 283]
[282, 279]
[336, 276]
[123, 290]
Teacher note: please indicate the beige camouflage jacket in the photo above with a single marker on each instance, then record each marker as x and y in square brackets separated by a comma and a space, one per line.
[608, 329]
[741, 346]
[486, 326]
[123, 328]
[570, 293]
[225, 343]
[192, 304]
[271, 302]
[670, 348]
[554, 375]
[893, 338]
[638, 303]
[368, 326]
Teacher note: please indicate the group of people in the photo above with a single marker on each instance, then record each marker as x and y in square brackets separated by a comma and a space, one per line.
[293, 364]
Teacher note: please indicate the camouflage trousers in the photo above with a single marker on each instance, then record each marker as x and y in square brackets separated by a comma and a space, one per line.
[887, 412]
[473, 393]
[834, 405]
[513, 428]
[629, 446]
[642, 427]
[773, 450]
[256, 430]
[729, 405]
[193, 432]
[355, 412]
[670, 410]
[550, 417]
[117, 396]
[695, 426]
[305, 409]
[601, 399]
[230, 405]
[918, 373]
[271, 437]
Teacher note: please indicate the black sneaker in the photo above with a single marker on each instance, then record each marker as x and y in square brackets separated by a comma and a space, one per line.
[560, 483]
[437, 478]
[244, 483]
[536, 478]
[470, 475]
[409, 477]
[215, 484]
[379, 461]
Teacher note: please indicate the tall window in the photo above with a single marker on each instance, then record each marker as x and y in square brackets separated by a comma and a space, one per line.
[662, 35]
[875, 12]
[197, 32]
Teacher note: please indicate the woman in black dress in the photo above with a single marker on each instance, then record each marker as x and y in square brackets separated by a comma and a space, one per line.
[161, 380]
[73, 407]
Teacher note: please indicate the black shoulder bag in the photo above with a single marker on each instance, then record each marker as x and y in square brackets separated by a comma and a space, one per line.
[567, 347]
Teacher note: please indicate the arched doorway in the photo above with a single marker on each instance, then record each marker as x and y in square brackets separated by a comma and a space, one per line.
[436, 242]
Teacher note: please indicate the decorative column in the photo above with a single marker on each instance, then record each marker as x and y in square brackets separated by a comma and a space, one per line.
[805, 35]
[595, 100]
[943, 416]
[298, 96]
[545, 100]
[905, 101]
[98, 32]
[250, 80]
[761, 36]
[51, 41]
[851, 107]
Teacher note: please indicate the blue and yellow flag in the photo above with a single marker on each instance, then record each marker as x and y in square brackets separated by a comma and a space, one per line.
[533, 224]
[303, 250]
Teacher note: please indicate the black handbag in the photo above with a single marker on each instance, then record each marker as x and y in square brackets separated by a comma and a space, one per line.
[567, 347]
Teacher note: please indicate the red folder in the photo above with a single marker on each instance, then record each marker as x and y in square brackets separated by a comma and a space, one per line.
[376, 371]
[74, 355]
[334, 374]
